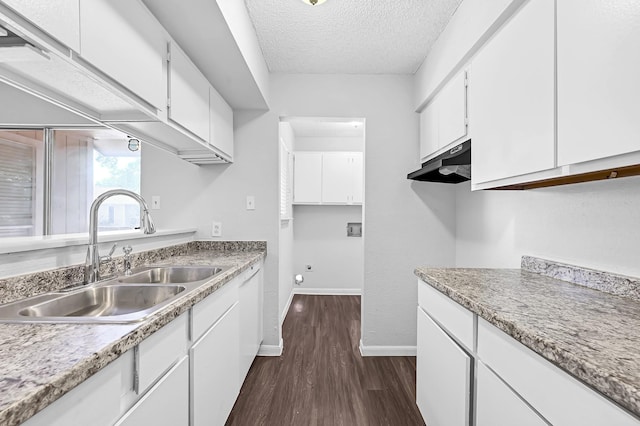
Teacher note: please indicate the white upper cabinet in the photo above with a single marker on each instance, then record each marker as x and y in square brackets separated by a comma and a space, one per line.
[511, 98]
[452, 103]
[328, 178]
[444, 120]
[342, 177]
[221, 123]
[307, 178]
[124, 40]
[337, 176]
[188, 94]
[61, 18]
[598, 88]
[357, 167]
[429, 142]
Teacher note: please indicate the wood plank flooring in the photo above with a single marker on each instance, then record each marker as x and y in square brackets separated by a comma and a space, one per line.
[321, 379]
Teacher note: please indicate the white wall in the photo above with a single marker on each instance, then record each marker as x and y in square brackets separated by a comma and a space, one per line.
[197, 195]
[285, 266]
[320, 240]
[330, 144]
[401, 218]
[595, 224]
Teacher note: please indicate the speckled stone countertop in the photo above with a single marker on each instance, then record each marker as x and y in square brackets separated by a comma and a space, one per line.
[589, 332]
[41, 362]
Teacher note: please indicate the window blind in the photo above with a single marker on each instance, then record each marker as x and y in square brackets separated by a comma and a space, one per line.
[17, 178]
[285, 182]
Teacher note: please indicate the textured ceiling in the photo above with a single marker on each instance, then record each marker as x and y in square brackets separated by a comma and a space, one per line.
[348, 36]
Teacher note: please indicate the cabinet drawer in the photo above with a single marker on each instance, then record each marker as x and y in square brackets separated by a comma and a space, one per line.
[457, 320]
[556, 395]
[497, 405]
[96, 401]
[207, 312]
[160, 351]
[167, 403]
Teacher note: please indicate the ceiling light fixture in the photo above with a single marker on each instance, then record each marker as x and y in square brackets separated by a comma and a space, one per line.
[314, 2]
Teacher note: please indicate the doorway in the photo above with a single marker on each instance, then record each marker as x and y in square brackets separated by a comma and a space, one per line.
[322, 231]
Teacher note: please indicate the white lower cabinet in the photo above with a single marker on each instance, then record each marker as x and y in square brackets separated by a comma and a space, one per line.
[166, 403]
[509, 385]
[96, 401]
[443, 385]
[189, 372]
[250, 332]
[497, 405]
[214, 366]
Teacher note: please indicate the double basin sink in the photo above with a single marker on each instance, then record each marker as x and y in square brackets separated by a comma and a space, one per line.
[119, 300]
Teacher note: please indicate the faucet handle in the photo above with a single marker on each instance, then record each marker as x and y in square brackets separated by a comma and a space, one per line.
[107, 258]
[127, 259]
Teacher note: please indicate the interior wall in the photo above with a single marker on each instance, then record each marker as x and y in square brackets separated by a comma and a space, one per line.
[195, 196]
[320, 240]
[595, 224]
[330, 144]
[402, 218]
[285, 264]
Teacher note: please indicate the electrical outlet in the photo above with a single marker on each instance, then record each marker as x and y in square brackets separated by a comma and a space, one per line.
[251, 202]
[155, 202]
[216, 229]
[308, 268]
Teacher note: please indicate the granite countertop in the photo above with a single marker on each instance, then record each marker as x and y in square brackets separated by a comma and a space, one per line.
[590, 333]
[41, 362]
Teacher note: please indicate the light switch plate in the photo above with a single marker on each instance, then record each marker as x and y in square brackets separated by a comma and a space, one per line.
[251, 202]
[155, 202]
[216, 229]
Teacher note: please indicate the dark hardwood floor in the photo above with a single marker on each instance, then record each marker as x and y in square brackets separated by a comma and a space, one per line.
[321, 379]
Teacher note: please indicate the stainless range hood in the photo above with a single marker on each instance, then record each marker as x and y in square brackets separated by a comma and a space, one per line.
[452, 166]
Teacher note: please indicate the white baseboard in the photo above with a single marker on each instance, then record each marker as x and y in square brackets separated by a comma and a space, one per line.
[387, 350]
[271, 350]
[283, 314]
[328, 291]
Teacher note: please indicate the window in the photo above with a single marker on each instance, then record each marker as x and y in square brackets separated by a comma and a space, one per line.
[84, 164]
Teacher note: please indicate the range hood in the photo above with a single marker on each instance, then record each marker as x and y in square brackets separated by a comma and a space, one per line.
[452, 166]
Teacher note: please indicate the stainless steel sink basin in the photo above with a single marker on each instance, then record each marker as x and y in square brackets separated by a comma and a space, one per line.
[120, 300]
[172, 274]
[112, 300]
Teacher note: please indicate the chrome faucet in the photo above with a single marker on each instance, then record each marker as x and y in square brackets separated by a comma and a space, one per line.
[92, 264]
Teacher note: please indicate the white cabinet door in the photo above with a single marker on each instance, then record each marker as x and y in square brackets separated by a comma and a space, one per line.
[598, 86]
[337, 177]
[214, 371]
[221, 123]
[444, 120]
[443, 376]
[61, 18]
[125, 41]
[497, 405]
[357, 168]
[452, 105]
[307, 177]
[188, 93]
[250, 321]
[166, 403]
[511, 100]
[429, 142]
